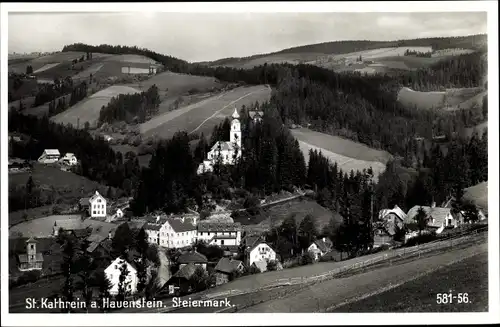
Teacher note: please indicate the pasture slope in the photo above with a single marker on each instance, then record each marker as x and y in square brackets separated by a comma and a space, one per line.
[202, 116]
[478, 194]
[88, 110]
[348, 155]
[449, 100]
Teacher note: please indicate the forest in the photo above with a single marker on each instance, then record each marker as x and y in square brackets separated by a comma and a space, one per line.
[131, 107]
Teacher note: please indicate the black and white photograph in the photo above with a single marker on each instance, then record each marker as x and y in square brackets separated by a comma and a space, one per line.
[311, 160]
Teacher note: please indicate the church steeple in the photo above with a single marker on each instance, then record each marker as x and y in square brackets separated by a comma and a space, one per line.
[235, 115]
[235, 136]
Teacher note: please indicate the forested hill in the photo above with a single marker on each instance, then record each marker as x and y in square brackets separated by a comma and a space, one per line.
[168, 61]
[474, 42]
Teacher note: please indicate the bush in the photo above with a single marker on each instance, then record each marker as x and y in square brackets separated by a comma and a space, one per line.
[424, 238]
[251, 201]
[306, 259]
[26, 278]
[253, 270]
[272, 265]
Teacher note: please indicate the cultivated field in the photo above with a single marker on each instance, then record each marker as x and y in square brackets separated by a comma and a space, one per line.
[91, 70]
[349, 155]
[478, 194]
[451, 99]
[176, 84]
[202, 116]
[45, 67]
[451, 52]
[130, 58]
[468, 276]
[88, 110]
[478, 128]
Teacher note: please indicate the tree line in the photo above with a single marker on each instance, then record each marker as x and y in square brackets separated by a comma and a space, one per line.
[131, 107]
[415, 53]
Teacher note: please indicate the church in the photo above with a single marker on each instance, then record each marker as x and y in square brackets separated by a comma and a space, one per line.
[225, 151]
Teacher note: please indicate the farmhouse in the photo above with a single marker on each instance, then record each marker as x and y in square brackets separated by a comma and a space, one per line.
[96, 205]
[16, 165]
[256, 116]
[192, 257]
[113, 274]
[225, 267]
[49, 156]
[438, 218]
[224, 152]
[320, 247]
[260, 254]
[32, 260]
[181, 279]
[69, 159]
[392, 219]
[219, 233]
[172, 232]
[68, 225]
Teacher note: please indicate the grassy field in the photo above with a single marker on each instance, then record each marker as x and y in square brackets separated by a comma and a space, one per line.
[88, 110]
[130, 58]
[202, 116]
[468, 276]
[421, 100]
[478, 194]
[479, 128]
[451, 99]
[40, 227]
[349, 155]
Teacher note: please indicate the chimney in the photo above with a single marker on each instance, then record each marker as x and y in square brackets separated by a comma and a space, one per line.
[157, 219]
[182, 219]
[433, 205]
[109, 235]
[324, 239]
[96, 192]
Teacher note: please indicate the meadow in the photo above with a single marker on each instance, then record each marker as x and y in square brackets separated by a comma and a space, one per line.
[451, 99]
[202, 116]
[478, 194]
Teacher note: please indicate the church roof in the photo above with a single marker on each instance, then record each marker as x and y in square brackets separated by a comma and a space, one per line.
[235, 114]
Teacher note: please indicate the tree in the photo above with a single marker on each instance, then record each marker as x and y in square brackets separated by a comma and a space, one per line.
[307, 232]
[123, 282]
[152, 288]
[142, 247]
[470, 212]
[68, 268]
[200, 280]
[122, 240]
[421, 219]
[85, 266]
[29, 70]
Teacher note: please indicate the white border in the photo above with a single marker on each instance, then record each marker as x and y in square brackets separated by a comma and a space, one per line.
[267, 319]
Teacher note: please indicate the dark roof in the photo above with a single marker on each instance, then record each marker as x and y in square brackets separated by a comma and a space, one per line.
[31, 240]
[250, 240]
[224, 237]
[207, 226]
[324, 245]
[259, 243]
[83, 232]
[186, 272]
[180, 226]
[335, 255]
[192, 257]
[227, 265]
[23, 258]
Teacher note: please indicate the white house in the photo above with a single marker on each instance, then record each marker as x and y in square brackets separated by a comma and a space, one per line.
[437, 218]
[392, 219]
[173, 231]
[97, 206]
[320, 247]
[49, 156]
[69, 159]
[219, 233]
[223, 151]
[113, 273]
[259, 253]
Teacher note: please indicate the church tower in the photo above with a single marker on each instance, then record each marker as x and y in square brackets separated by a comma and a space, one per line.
[31, 250]
[235, 135]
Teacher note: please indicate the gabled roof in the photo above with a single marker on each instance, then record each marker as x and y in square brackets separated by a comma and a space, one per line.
[439, 214]
[262, 265]
[209, 226]
[396, 210]
[224, 237]
[96, 196]
[180, 226]
[224, 146]
[192, 257]
[324, 245]
[250, 240]
[235, 114]
[52, 152]
[185, 272]
[119, 261]
[31, 240]
[227, 265]
[256, 244]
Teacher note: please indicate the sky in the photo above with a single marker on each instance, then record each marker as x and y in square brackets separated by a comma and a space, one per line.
[210, 36]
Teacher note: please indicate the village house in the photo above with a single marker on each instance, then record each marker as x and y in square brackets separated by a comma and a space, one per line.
[392, 219]
[219, 233]
[192, 257]
[256, 115]
[173, 231]
[113, 274]
[225, 267]
[223, 151]
[49, 156]
[68, 225]
[17, 165]
[69, 159]
[181, 279]
[437, 218]
[259, 254]
[32, 260]
[320, 247]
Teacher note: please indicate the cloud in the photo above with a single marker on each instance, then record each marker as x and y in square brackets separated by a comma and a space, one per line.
[210, 36]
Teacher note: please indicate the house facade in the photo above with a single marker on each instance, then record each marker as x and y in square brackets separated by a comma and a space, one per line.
[97, 206]
[259, 253]
[392, 219]
[69, 159]
[219, 233]
[32, 260]
[192, 258]
[49, 156]
[225, 267]
[172, 232]
[224, 152]
[437, 218]
[113, 273]
[320, 247]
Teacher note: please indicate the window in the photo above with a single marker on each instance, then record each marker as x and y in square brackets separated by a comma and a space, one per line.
[98, 200]
[221, 242]
[32, 247]
[201, 233]
[94, 212]
[116, 266]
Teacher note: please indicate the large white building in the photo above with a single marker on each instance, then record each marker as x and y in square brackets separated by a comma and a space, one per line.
[260, 254]
[69, 159]
[97, 206]
[49, 156]
[172, 232]
[113, 273]
[223, 151]
[219, 233]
